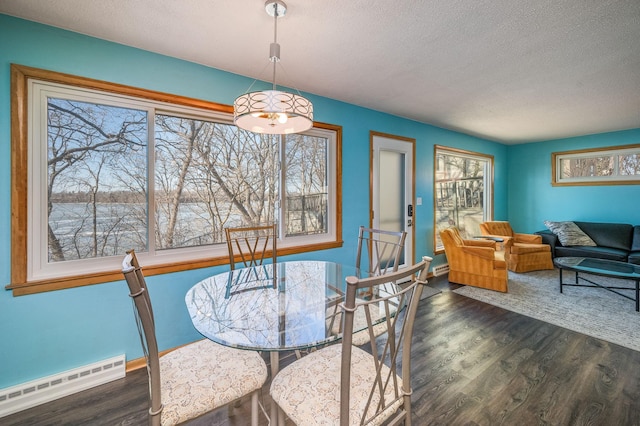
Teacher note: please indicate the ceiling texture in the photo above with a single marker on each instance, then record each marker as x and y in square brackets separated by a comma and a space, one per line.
[511, 71]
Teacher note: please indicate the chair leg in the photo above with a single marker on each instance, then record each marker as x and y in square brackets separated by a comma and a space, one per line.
[281, 416]
[254, 408]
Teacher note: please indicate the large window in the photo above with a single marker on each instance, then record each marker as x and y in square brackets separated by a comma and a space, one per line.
[602, 166]
[463, 184]
[110, 168]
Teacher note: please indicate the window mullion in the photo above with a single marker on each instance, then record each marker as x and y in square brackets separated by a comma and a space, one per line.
[151, 182]
[280, 202]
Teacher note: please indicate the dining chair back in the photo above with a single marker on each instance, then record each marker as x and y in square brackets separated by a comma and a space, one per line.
[145, 321]
[374, 386]
[379, 251]
[251, 245]
[193, 379]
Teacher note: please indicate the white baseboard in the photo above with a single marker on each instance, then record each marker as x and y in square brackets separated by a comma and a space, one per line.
[39, 391]
[440, 270]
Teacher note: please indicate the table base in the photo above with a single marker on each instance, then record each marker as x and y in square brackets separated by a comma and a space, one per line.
[593, 284]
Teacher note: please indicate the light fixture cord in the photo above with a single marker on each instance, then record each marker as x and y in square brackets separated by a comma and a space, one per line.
[275, 52]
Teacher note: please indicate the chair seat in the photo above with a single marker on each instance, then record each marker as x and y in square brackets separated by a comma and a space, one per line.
[186, 385]
[360, 323]
[522, 248]
[308, 390]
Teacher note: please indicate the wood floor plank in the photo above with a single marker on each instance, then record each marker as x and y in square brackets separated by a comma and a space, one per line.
[473, 364]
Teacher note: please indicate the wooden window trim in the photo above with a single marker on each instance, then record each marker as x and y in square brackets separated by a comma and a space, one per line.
[20, 76]
[595, 182]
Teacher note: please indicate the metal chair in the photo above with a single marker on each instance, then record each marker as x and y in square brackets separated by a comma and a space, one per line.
[251, 245]
[381, 250]
[193, 379]
[373, 387]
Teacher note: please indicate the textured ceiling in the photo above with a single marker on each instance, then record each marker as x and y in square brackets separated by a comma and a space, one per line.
[507, 70]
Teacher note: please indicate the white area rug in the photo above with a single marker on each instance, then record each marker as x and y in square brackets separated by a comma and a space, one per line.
[591, 311]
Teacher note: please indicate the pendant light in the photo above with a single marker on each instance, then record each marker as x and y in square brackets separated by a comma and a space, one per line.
[273, 111]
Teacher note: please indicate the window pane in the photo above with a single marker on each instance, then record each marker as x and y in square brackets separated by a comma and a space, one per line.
[587, 166]
[96, 176]
[392, 183]
[306, 209]
[209, 176]
[629, 164]
[459, 194]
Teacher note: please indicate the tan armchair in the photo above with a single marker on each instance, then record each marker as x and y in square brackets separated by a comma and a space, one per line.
[527, 253]
[475, 262]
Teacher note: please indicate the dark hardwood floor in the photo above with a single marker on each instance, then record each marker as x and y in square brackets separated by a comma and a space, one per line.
[473, 364]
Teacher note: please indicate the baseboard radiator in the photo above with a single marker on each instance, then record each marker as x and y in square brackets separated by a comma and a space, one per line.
[440, 270]
[39, 391]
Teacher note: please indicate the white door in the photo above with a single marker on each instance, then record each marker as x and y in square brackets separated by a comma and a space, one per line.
[392, 191]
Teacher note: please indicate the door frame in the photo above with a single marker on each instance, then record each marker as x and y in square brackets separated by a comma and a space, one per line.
[410, 178]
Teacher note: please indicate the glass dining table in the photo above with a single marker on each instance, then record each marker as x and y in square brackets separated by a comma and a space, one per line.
[271, 308]
[288, 306]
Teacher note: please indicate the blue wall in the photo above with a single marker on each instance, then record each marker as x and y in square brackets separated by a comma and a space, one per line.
[51, 332]
[532, 199]
[47, 333]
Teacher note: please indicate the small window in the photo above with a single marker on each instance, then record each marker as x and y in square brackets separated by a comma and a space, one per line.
[605, 166]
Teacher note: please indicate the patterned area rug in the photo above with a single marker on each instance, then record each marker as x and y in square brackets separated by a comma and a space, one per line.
[591, 311]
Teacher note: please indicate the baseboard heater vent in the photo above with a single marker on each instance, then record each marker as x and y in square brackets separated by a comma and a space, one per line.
[39, 391]
[440, 270]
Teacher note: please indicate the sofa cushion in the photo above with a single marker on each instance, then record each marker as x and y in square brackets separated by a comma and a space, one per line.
[635, 244]
[588, 251]
[614, 235]
[634, 258]
[569, 233]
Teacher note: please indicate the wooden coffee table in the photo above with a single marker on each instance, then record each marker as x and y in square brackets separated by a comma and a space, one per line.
[602, 267]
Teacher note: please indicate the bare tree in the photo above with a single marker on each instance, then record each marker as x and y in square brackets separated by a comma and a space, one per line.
[175, 141]
[207, 176]
[629, 164]
[241, 168]
[306, 159]
[78, 135]
[589, 166]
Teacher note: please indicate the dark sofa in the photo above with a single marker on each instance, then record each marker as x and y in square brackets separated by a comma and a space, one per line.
[614, 241]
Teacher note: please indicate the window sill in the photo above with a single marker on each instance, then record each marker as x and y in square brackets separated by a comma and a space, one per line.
[34, 287]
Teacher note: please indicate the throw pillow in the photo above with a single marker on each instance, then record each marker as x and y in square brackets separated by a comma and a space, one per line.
[569, 233]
